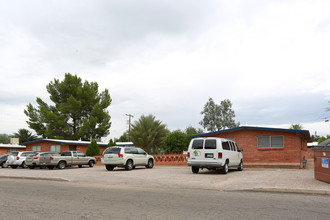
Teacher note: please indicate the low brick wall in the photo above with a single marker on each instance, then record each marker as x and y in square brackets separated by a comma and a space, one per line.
[171, 159]
[162, 159]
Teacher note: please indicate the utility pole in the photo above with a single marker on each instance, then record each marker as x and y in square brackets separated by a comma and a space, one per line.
[129, 121]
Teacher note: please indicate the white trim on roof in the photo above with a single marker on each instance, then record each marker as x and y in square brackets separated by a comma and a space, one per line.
[12, 146]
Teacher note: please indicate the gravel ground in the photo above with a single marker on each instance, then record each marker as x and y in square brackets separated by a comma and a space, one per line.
[289, 180]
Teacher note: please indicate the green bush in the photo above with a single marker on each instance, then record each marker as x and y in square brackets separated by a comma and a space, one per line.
[93, 149]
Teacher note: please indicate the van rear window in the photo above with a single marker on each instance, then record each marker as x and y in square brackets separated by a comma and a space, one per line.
[198, 144]
[210, 144]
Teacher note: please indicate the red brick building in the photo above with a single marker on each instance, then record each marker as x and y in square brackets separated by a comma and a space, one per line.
[268, 147]
[60, 145]
[6, 148]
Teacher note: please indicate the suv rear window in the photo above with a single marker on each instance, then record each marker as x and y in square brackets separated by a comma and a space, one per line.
[198, 144]
[14, 153]
[210, 144]
[112, 150]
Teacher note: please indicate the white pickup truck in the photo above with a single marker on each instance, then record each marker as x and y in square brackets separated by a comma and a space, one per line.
[67, 159]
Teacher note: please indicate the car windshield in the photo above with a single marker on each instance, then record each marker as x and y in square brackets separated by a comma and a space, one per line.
[112, 150]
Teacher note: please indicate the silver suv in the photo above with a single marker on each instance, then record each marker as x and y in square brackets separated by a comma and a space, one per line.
[17, 159]
[127, 157]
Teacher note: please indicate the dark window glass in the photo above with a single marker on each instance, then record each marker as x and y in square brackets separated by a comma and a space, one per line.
[198, 144]
[210, 144]
[140, 151]
[112, 150]
[14, 153]
[237, 149]
[66, 153]
[225, 145]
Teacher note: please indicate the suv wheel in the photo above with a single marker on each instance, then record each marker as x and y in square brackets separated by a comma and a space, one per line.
[195, 169]
[129, 165]
[109, 167]
[90, 163]
[150, 164]
[14, 166]
[225, 168]
[240, 166]
[4, 165]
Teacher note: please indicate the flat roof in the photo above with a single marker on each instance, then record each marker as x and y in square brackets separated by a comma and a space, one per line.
[12, 146]
[73, 142]
[304, 133]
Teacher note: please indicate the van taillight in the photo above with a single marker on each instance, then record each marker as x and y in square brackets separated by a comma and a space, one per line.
[120, 155]
[188, 154]
[36, 157]
[17, 158]
[219, 155]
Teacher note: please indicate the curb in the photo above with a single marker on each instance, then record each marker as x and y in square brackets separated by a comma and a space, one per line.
[36, 178]
[286, 190]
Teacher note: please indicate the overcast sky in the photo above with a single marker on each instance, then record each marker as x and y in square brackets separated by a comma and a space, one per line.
[167, 58]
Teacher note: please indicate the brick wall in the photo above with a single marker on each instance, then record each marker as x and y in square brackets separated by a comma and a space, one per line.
[290, 156]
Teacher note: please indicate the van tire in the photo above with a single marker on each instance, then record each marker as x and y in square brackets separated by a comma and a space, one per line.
[195, 169]
[225, 168]
[240, 166]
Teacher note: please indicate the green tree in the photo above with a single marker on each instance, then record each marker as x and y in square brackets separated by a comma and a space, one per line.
[218, 117]
[123, 138]
[4, 138]
[111, 143]
[93, 149]
[79, 111]
[296, 127]
[148, 133]
[191, 131]
[176, 142]
[323, 138]
[24, 135]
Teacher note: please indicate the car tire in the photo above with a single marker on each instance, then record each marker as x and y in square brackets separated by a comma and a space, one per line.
[109, 167]
[61, 165]
[31, 167]
[195, 169]
[4, 165]
[150, 164]
[80, 166]
[24, 165]
[14, 166]
[129, 165]
[50, 167]
[91, 163]
[225, 168]
[240, 166]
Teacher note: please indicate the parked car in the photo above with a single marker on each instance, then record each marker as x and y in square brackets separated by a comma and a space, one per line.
[127, 157]
[214, 153]
[17, 159]
[67, 158]
[3, 161]
[33, 160]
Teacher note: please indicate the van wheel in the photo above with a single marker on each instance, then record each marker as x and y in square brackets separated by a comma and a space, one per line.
[225, 168]
[240, 166]
[129, 165]
[195, 169]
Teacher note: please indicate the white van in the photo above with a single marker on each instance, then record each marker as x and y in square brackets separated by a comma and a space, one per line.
[214, 153]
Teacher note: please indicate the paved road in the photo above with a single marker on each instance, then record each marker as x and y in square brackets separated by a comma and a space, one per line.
[36, 199]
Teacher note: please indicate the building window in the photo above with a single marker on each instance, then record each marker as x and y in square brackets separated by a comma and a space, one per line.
[35, 148]
[270, 141]
[55, 148]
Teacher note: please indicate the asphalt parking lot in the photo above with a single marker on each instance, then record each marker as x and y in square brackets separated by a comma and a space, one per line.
[280, 180]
